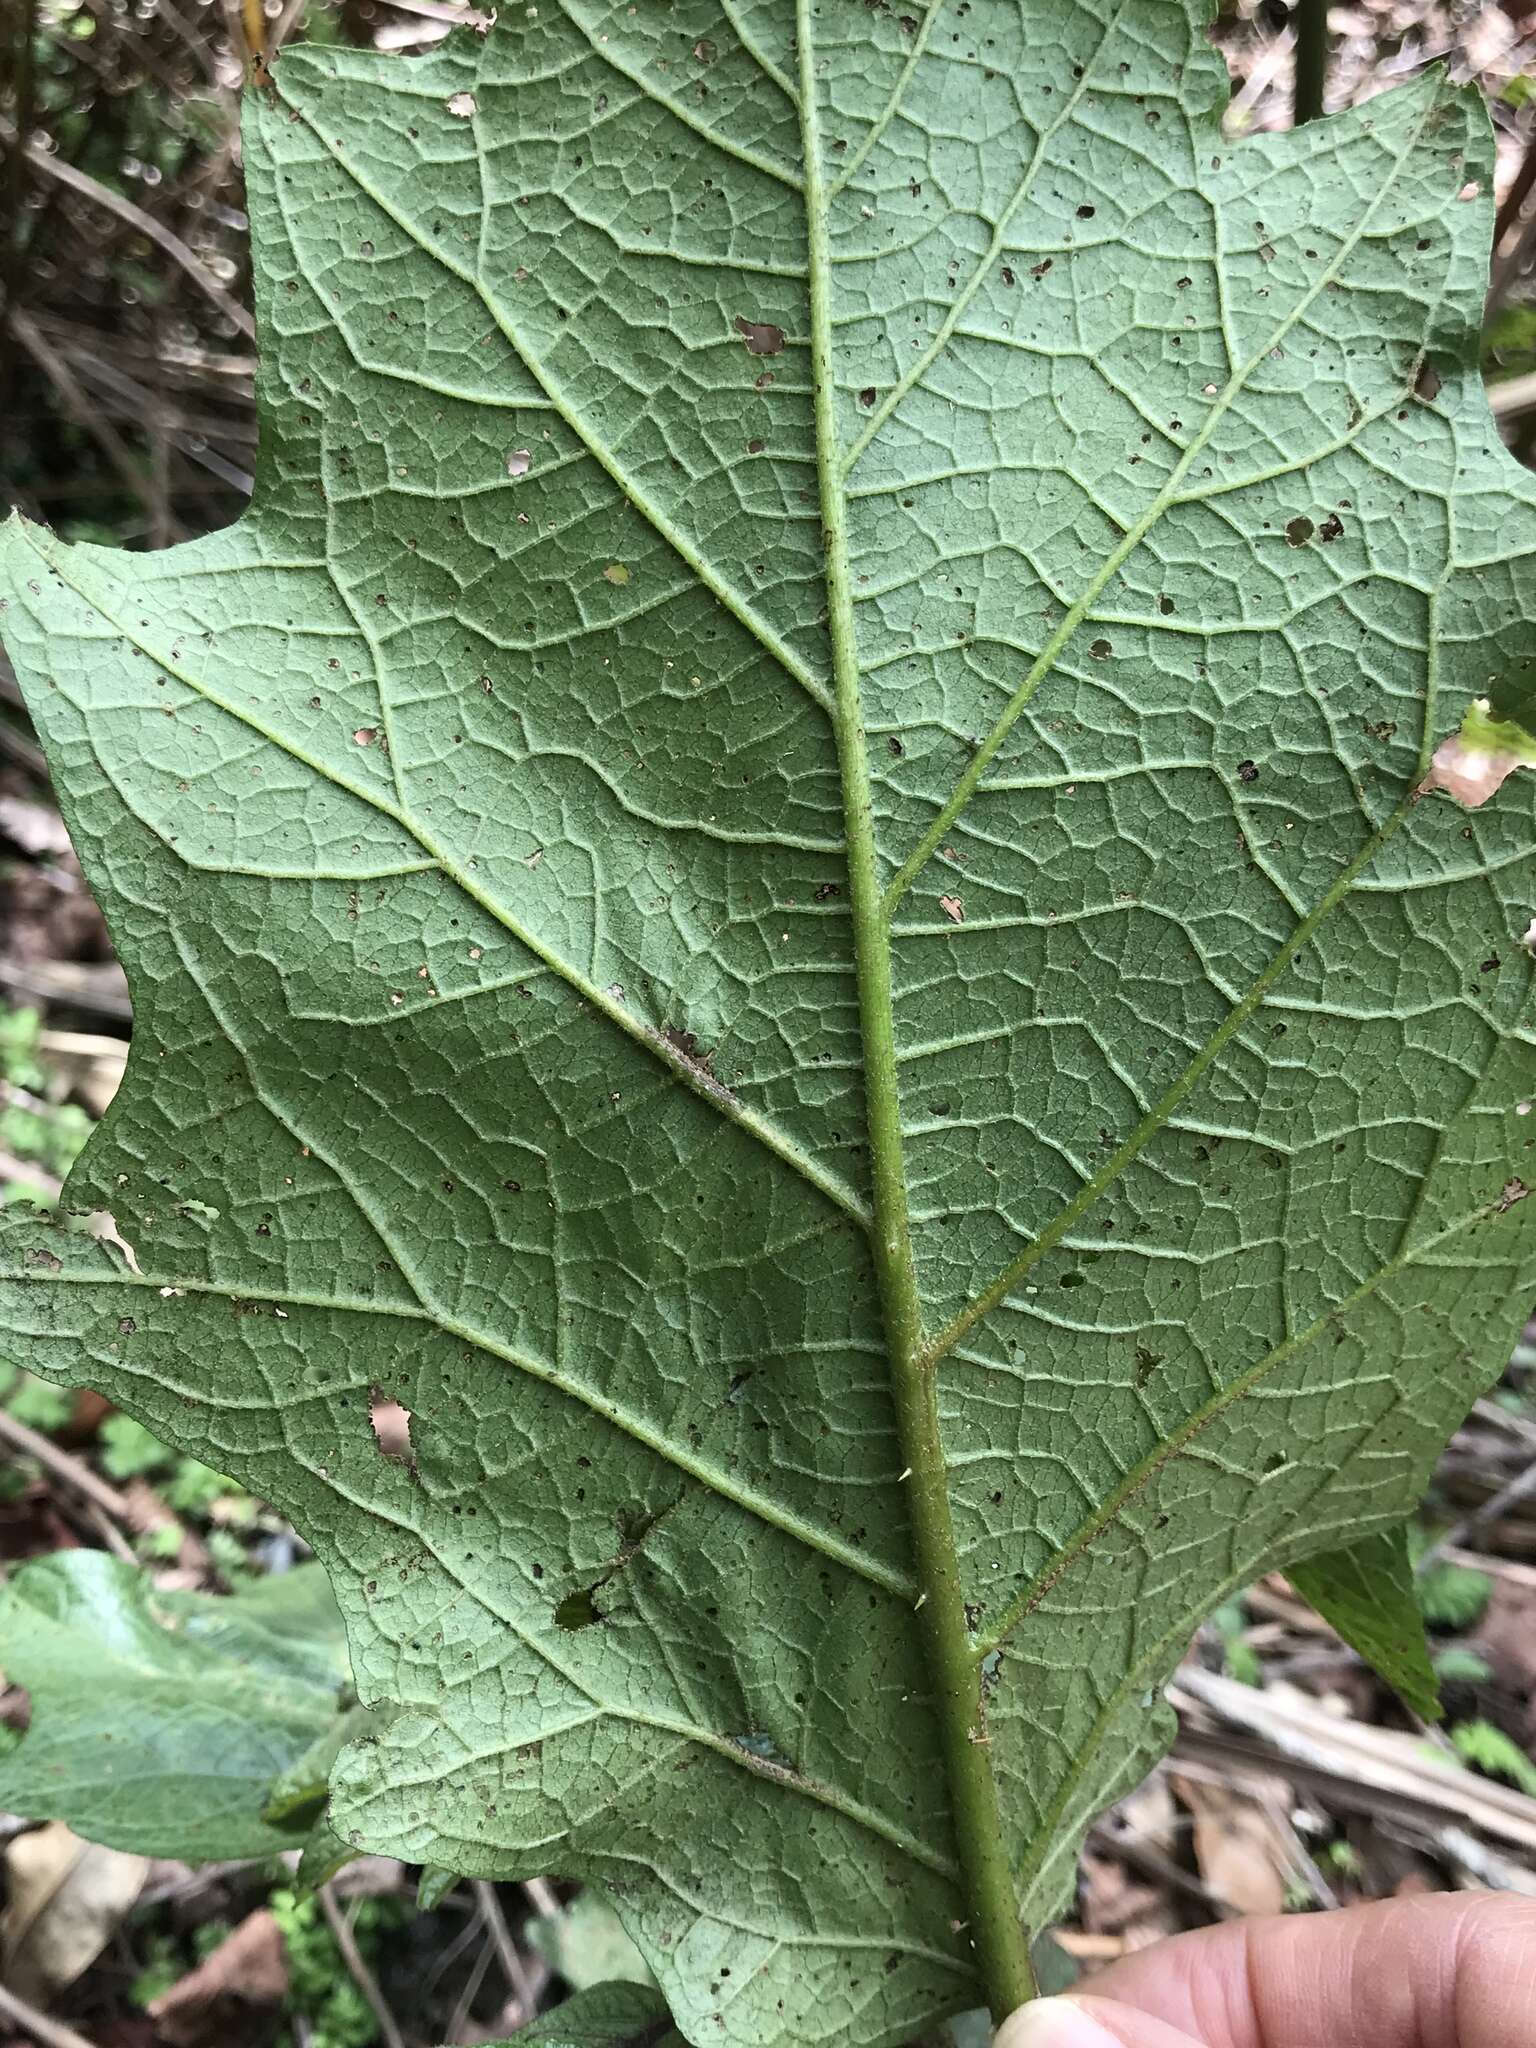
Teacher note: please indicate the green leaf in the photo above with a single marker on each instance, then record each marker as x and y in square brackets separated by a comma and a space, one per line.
[160, 1720]
[323, 1853]
[1454, 1595]
[301, 1785]
[607, 2016]
[1458, 1666]
[1488, 1748]
[433, 1886]
[39, 1405]
[128, 1450]
[585, 1943]
[1366, 1592]
[904, 1090]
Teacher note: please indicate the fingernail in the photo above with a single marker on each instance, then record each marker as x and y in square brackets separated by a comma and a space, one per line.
[1053, 2023]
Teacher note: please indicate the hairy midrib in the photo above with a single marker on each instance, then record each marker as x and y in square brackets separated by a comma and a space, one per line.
[998, 1945]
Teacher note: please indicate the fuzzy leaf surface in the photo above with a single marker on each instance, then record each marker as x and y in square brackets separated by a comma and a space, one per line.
[472, 825]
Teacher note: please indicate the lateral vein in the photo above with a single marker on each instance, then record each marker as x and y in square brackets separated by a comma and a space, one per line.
[725, 593]
[1158, 1116]
[1045, 662]
[700, 1083]
[1141, 1476]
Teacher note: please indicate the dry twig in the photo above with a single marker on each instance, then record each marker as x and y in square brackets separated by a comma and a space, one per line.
[50, 2033]
[63, 1465]
[358, 1970]
[141, 222]
[512, 1965]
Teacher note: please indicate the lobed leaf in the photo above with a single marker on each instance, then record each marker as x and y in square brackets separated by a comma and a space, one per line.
[788, 844]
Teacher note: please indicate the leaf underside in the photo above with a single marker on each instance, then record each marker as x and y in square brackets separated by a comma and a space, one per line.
[1366, 1592]
[469, 821]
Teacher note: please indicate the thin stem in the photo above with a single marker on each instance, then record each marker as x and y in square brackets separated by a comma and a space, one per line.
[357, 1969]
[37, 2025]
[1310, 18]
[997, 1939]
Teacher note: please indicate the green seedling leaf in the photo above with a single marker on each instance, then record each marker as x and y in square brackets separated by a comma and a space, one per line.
[585, 1943]
[1458, 1666]
[785, 886]
[129, 1451]
[1366, 1592]
[1453, 1595]
[606, 2016]
[433, 1886]
[301, 1787]
[160, 1720]
[1489, 1749]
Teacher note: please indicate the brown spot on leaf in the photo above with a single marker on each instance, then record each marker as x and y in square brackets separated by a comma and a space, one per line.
[953, 909]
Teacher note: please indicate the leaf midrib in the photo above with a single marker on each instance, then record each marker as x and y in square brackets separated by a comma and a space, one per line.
[999, 1949]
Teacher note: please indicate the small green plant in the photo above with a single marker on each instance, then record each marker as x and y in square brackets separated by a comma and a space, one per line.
[1458, 1666]
[320, 1989]
[33, 1129]
[1454, 1596]
[130, 1451]
[37, 1403]
[1228, 1622]
[1490, 1750]
[1342, 1858]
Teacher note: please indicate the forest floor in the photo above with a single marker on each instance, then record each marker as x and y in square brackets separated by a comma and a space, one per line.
[1298, 1782]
